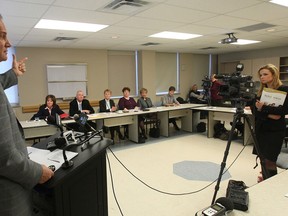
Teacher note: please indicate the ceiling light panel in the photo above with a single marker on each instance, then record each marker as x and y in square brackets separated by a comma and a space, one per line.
[175, 35]
[245, 42]
[280, 2]
[71, 26]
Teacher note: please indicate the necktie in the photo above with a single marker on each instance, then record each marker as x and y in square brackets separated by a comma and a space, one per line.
[80, 106]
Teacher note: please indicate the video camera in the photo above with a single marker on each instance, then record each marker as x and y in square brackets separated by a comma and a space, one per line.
[237, 86]
[206, 83]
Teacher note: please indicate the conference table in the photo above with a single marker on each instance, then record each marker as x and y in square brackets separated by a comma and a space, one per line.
[226, 114]
[38, 129]
[269, 197]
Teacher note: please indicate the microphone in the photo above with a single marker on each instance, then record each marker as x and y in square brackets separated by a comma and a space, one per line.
[82, 119]
[219, 208]
[67, 164]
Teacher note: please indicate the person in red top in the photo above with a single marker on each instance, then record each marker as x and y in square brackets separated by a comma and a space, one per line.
[126, 103]
[216, 99]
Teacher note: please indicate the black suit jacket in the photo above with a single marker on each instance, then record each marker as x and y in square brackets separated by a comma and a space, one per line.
[43, 113]
[102, 105]
[73, 109]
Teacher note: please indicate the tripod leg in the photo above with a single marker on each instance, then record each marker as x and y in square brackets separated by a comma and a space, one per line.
[236, 118]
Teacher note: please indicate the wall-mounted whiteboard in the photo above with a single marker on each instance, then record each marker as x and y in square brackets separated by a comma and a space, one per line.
[64, 80]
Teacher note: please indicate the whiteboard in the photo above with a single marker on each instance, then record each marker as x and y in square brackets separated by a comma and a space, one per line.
[57, 89]
[64, 80]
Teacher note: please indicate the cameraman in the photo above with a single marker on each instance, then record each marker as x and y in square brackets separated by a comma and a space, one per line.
[216, 99]
[270, 123]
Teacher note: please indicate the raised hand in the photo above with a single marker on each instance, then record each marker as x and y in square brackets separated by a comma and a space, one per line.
[19, 66]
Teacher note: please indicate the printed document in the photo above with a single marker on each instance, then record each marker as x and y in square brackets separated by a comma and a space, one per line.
[43, 156]
[272, 97]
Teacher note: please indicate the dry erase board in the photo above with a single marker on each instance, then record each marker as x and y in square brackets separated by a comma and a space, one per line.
[64, 80]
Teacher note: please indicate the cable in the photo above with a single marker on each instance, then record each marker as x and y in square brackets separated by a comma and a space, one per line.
[112, 185]
[169, 193]
[164, 192]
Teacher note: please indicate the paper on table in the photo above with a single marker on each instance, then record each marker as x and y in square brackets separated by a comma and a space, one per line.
[43, 156]
[273, 97]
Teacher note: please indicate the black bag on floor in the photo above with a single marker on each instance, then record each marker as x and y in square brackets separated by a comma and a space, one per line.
[141, 138]
[219, 129]
[237, 194]
[201, 127]
[155, 130]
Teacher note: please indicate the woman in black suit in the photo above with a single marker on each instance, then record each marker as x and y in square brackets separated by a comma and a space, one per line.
[48, 110]
[270, 123]
[108, 105]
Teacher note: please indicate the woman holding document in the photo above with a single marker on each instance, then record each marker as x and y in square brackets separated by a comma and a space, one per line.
[270, 123]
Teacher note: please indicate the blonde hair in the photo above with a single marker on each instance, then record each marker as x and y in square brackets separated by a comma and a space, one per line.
[143, 90]
[107, 90]
[276, 82]
[194, 87]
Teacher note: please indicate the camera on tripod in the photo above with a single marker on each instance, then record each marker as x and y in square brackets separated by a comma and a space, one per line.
[206, 83]
[237, 86]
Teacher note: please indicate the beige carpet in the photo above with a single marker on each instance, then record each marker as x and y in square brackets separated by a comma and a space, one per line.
[153, 161]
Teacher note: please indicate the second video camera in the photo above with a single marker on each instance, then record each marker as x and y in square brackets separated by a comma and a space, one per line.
[237, 86]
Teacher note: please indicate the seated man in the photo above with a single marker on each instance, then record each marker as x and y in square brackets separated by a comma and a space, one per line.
[170, 100]
[80, 105]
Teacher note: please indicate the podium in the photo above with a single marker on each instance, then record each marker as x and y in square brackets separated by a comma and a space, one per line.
[79, 190]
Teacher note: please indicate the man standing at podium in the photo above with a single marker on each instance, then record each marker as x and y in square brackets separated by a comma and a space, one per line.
[18, 174]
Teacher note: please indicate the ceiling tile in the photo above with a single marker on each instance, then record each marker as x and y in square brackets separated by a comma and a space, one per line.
[22, 9]
[175, 14]
[263, 12]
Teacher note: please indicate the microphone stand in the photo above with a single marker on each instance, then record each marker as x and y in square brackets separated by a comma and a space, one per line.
[67, 164]
[96, 132]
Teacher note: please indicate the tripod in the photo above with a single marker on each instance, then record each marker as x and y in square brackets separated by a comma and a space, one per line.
[239, 104]
[207, 95]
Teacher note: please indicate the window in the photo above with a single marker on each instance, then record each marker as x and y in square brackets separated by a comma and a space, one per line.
[12, 92]
[167, 72]
[122, 72]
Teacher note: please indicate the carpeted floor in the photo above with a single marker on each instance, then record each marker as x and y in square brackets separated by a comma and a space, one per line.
[183, 163]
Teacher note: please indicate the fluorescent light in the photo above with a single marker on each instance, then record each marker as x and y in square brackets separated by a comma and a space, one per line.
[175, 35]
[280, 2]
[245, 42]
[72, 26]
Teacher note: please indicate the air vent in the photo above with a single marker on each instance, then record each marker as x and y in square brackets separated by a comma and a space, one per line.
[64, 38]
[133, 3]
[256, 27]
[150, 44]
[209, 48]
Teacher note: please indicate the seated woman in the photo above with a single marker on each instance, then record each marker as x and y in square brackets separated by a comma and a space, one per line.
[144, 102]
[126, 103]
[48, 110]
[194, 95]
[108, 105]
